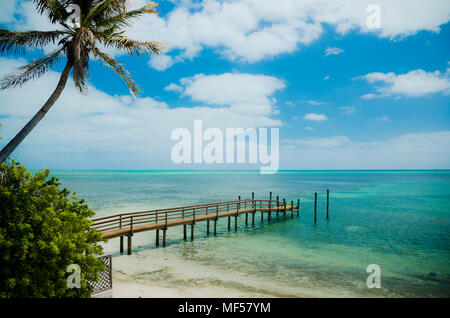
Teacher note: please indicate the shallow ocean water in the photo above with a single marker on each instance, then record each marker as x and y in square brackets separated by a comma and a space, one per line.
[399, 220]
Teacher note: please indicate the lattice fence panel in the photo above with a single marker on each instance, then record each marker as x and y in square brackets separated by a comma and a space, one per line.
[105, 277]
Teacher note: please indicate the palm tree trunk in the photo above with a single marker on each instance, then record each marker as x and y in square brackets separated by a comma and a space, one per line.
[12, 145]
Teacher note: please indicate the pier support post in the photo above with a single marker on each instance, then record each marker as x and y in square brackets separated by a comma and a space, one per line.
[164, 237]
[121, 245]
[184, 232]
[207, 227]
[278, 205]
[328, 202]
[253, 219]
[315, 207]
[157, 237]
[298, 207]
[129, 244]
[270, 208]
[215, 226]
[235, 222]
[284, 208]
[229, 223]
[192, 232]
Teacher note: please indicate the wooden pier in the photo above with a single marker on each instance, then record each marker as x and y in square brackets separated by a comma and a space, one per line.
[127, 224]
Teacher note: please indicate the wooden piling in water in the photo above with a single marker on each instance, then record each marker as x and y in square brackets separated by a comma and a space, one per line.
[192, 232]
[328, 202]
[284, 208]
[270, 208]
[292, 209]
[129, 244]
[164, 237]
[215, 227]
[298, 207]
[278, 205]
[157, 237]
[121, 245]
[315, 207]
[184, 226]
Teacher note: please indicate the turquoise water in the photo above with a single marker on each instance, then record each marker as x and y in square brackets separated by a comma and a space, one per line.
[399, 220]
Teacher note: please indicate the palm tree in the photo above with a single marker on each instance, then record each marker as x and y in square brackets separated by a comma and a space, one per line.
[100, 24]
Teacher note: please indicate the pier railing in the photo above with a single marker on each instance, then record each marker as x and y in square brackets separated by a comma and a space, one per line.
[164, 217]
[126, 224]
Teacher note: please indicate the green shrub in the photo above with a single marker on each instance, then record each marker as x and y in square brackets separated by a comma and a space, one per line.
[43, 229]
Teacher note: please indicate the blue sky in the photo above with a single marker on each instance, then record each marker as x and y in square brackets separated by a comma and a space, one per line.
[380, 100]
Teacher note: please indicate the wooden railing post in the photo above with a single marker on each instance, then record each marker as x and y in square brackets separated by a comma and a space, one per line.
[207, 223]
[131, 225]
[184, 226]
[192, 226]
[164, 232]
[130, 235]
[229, 217]
[236, 216]
[121, 237]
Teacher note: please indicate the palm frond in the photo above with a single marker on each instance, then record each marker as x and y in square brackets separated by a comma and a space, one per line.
[54, 9]
[120, 70]
[103, 10]
[132, 47]
[31, 70]
[125, 18]
[18, 42]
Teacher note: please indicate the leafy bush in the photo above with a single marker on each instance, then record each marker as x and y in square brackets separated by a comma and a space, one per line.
[43, 229]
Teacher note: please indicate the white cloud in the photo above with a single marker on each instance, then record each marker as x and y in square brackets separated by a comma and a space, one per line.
[246, 93]
[161, 62]
[429, 150]
[326, 78]
[333, 51]
[99, 130]
[252, 30]
[413, 84]
[348, 110]
[174, 88]
[315, 117]
[309, 128]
